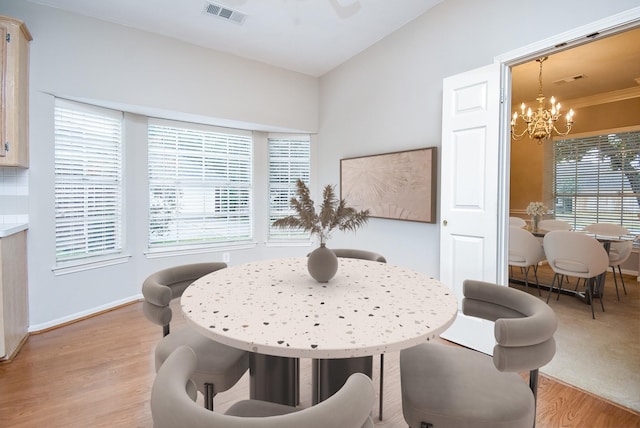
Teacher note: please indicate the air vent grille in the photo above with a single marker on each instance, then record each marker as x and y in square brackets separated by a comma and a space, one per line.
[224, 13]
[569, 79]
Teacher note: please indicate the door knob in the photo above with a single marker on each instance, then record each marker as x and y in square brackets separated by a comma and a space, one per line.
[444, 222]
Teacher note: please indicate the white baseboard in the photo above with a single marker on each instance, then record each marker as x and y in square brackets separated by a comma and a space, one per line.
[84, 314]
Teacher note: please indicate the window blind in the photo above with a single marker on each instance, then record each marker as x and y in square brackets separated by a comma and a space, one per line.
[289, 160]
[88, 180]
[199, 184]
[597, 180]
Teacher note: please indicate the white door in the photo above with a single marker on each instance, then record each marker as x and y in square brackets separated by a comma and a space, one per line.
[469, 192]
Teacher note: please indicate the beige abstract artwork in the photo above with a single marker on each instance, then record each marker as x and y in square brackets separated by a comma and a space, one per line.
[398, 185]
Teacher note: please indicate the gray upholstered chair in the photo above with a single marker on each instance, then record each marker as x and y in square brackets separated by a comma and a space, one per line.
[525, 251]
[575, 254]
[351, 253]
[619, 252]
[173, 395]
[452, 386]
[219, 366]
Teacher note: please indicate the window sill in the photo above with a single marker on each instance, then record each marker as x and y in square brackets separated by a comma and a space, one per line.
[153, 253]
[285, 243]
[88, 264]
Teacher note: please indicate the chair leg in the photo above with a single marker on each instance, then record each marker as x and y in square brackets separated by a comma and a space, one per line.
[208, 396]
[381, 385]
[533, 385]
[577, 284]
[553, 281]
[621, 279]
[535, 274]
[600, 287]
[560, 285]
[615, 281]
[590, 295]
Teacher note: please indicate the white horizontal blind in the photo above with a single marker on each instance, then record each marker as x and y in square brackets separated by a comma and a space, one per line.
[597, 180]
[88, 181]
[289, 160]
[199, 184]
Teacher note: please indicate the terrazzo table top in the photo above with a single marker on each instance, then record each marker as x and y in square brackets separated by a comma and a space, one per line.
[274, 307]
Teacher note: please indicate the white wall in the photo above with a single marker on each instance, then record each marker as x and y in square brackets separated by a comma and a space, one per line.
[86, 59]
[389, 97]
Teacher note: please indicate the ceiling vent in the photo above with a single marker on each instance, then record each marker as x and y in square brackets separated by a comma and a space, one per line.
[569, 79]
[224, 13]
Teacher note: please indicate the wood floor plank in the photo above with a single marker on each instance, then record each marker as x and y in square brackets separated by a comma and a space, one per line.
[98, 372]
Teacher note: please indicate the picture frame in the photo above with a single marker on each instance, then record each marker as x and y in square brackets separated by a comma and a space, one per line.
[398, 185]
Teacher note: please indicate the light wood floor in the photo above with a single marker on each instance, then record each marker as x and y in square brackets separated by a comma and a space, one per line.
[98, 372]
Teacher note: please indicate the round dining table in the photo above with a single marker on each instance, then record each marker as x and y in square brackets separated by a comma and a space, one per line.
[277, 311]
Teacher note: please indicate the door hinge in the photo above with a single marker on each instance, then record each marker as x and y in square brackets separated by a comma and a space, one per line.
[6, 147]
[8, 37]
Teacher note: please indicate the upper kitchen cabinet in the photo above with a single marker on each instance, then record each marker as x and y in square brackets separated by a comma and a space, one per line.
[14, 92]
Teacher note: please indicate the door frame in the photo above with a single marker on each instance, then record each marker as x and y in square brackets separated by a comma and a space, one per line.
[567, 40]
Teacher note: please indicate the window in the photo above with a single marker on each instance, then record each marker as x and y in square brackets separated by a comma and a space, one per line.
[199, 184]
[289, 159]
[597, 180]
[88, 181]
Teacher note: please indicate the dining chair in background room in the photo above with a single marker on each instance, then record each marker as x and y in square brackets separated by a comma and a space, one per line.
[576, 254]
[219, 366]
[552, 224]
[619, 252]
[525, 251]
[451, 386]
[173, 403]
[351, 253]
[517, 222]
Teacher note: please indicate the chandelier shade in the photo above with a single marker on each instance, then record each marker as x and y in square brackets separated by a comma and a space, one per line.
[540, 124]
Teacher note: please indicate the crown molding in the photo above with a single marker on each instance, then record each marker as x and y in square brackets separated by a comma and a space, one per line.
[608, 97]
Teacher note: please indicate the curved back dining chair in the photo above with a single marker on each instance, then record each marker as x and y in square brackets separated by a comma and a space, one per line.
[452, 386]
[579, 255]
[351, 253]
[525, 251]
[172, 403]
[552, 224]
[517, 222]
[219, 366]
[619, 252]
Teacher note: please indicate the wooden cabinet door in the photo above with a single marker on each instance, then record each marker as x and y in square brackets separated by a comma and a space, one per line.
[14, 126]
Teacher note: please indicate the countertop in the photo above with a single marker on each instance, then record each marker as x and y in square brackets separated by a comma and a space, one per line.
[11, 228]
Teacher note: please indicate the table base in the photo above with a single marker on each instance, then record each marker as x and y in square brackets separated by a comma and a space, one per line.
[329, 375]
[597, 287]
[274, 379]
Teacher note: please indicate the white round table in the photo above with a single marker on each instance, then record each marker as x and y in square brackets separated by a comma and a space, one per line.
[274, 307]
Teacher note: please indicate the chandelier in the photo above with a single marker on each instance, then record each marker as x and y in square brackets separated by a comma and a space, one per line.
[540, 124]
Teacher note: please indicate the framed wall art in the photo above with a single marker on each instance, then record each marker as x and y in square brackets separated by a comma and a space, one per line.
[399, 185]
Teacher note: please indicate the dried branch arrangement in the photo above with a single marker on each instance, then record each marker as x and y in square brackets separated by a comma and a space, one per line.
[334, 214]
